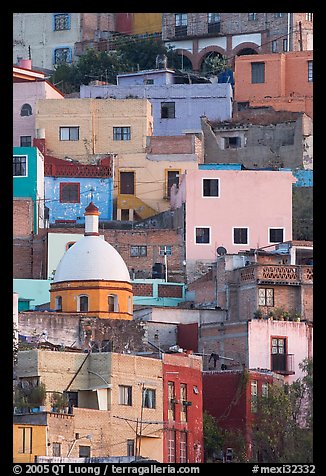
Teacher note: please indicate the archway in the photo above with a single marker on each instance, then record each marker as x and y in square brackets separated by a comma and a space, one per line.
[212, 63]
[247, 51]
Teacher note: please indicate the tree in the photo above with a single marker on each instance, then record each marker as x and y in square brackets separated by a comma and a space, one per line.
[213, 439]
[282, 431]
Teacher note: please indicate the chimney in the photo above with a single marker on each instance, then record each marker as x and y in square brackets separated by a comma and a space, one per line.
[25, 63]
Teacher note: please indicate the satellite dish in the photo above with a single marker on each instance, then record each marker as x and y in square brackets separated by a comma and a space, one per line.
[221, 251]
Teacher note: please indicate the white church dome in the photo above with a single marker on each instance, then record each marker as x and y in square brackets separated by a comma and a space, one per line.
[91, 258]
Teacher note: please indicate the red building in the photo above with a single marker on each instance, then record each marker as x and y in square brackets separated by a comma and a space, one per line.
[182, 408]
[230, 396]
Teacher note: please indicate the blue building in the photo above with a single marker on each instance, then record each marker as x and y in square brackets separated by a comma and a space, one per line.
[28, 181]
[176, 106]
[70, 186]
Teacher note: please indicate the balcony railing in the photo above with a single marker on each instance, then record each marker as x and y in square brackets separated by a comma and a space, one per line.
[277, 274]
[283, 364]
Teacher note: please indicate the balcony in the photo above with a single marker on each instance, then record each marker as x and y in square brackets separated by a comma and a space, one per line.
[283, 364]
[214, 27]
[277, 274]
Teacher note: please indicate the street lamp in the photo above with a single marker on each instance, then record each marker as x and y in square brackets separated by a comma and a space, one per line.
[88, 437]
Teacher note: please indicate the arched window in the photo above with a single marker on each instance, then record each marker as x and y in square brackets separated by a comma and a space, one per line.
[112, 303]
[58, 303]
[82, 305]
[26, 110]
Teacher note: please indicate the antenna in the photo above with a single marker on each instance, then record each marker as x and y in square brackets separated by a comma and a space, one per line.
[220, 250]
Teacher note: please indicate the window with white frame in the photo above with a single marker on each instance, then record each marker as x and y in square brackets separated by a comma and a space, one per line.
[183, 447]
[26, 110]
[20, 166]
[240, 236]
[202, 235]
[149, 398]
[125, 395]
[165, 250]
[61, 21]
[183, 401]
[70, 133]
[252, 16]
[278, 15]
[112, 303]
[254, 395]
[264, 389]
[138, 250]
[171, 446]
[276, 235]
[211, 187]
[285, 44]
[266, 297]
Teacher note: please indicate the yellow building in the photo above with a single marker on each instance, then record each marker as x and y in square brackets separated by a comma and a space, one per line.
[118, 404]
[91, 277]
[29, 440]
[84, 129]
[147, 23]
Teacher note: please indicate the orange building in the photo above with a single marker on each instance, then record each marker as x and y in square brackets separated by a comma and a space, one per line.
[92, 277]
[283, 81]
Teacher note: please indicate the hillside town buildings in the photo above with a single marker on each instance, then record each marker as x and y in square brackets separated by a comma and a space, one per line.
[159, 273]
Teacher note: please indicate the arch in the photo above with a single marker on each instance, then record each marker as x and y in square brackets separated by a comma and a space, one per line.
[187, 59]
[246, 46]
[205, 52]
[58, 303]
[82, 303]
[26, 110]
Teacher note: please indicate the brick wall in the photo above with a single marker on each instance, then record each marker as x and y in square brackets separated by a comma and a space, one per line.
[22, 217]
[140, 289]
[169, 291]
[29, 257]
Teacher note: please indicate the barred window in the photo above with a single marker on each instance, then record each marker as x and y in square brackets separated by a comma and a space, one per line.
[266, 297]
[62, 55]
[61, 21]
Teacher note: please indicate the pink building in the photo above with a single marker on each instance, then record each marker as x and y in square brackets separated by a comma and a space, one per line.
[28, 86]
[233, 210]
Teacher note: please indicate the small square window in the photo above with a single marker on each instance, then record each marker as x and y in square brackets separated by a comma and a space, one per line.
[84, 451]
[232, 142]
[240, 236]
[252, 16]
[121, 133]
[167, 110]
[69, 192]
[69, 133]
[25, 141]
[202, 235]
[165, 250]
[210, 187]
[61, 21]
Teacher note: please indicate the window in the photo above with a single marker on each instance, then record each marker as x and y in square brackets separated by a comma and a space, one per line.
[113, 303]
[172, 178]
[274, 46]
[25, 141]
[69, 192]
[276, 235]
[285, 44]
[125, 395]
[202, 235]
[167, 110]
[183, 447]
[62, 55]
[58, 303]
[26, 110]
[69, 133]
[82, 303]
[20, 166]
[214, 22]
[56, 449]
[130, 447]
[165, 250]
[309, 16]
[232, 142]
[240, 236]
[148, 81]
[171, 446]
[171, 401]
[252, 16]
[149, 398]
[61, 21]
[121, 133]
[84, 451]
[25, 439]
[278, 354]
[210, 187]
[254, 394]
[278, 15]
[138, 250]
[266, 297]
[257, 73]
[264, 389]
[183, 398]
[181, 21]
[310, 71]
[127, 183]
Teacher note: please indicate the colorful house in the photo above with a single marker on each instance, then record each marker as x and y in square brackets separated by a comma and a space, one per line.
[283, 81]
[228, 209]
[70, 186]
[28, 185]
